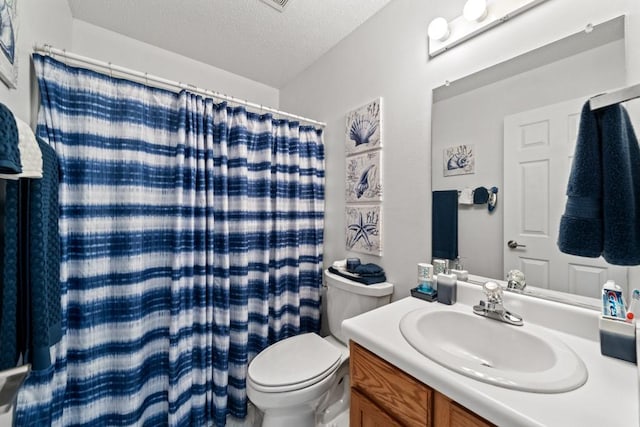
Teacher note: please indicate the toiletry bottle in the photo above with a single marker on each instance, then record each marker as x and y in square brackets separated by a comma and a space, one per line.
[447, 288]
[613, 301]
[426, 284]
[634, 307]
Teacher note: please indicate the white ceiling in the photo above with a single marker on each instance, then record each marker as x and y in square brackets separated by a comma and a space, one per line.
[245, 37]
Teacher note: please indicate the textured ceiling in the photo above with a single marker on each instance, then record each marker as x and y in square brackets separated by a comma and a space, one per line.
[245, 37]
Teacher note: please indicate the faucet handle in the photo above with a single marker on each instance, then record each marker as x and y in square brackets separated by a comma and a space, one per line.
[492, 291]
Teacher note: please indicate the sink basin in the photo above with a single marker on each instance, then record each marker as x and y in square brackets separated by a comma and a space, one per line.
[494, 352]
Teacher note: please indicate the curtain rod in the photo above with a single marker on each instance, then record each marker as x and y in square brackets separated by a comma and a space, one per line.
[615, 97]
[146, 78]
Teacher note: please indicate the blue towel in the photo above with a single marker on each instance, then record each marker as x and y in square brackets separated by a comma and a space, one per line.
[9, 348]
[31, 268]
[368, 270]
[366, 280]
[602, 214]
[444, 224]
[9, 152]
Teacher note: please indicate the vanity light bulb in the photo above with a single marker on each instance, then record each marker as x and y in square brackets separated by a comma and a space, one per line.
[438, 29]
[475, 10]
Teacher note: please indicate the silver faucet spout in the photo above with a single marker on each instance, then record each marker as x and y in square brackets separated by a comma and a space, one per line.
[493, 307]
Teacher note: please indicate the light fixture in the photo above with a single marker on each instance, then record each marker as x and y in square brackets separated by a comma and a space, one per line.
[438, 29]
[477, 17]
[475, 10]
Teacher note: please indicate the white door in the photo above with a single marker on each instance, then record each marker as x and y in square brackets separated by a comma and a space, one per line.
[538, 150]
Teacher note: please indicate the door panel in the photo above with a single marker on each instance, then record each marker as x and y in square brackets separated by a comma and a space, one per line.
[538, 151]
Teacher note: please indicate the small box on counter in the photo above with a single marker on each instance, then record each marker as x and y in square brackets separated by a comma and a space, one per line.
[427, 297]
[618, 339]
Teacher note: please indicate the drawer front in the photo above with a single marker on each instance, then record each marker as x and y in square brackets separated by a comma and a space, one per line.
[397, 393]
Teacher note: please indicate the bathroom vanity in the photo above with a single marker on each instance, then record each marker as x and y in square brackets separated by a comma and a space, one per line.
[392, 383]
[382, 394]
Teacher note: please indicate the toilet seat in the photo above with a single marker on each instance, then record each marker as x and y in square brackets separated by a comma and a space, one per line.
[293, 364]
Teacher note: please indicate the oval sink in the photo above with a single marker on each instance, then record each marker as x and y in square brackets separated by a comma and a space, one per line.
[494, 352]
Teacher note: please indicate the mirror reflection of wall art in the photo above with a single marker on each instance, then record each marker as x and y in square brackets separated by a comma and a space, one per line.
[364, 229]
[459, 160]
[364, 127]
[364, 183]
[8, 34]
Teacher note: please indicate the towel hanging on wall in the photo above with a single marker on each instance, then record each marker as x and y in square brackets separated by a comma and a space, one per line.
[30, 155]
[444, 224]
[9, 152]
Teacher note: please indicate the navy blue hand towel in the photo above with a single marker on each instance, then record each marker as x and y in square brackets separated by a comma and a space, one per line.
[444, 224]
[31, 311]
[365, 280]
[10, 162]
[369, 269]
[602, 215]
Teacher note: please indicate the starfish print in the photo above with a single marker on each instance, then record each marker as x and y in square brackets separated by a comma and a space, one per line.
[362, 231]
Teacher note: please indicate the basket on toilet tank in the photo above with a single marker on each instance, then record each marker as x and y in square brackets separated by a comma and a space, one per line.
[346, 299]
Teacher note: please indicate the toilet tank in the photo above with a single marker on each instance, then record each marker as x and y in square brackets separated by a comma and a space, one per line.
[346, 299]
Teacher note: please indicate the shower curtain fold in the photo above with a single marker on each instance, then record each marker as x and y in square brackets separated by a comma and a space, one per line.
[191, 239]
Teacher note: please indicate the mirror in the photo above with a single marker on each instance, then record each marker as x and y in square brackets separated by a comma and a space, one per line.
[526, 102]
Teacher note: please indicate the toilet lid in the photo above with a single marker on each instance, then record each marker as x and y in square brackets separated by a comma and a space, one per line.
[294, 361]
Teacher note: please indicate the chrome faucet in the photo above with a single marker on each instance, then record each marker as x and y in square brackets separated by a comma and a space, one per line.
[515, 280]
[493, 307]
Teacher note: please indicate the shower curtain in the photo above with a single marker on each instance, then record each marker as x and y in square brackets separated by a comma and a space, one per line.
[191, 238]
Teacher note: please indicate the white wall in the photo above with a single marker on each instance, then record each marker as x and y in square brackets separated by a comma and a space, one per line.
[40, 22]
[105, 45]
[51, 22]
[387, 57]
[481, 240]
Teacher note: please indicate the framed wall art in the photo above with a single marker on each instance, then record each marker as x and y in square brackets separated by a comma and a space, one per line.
[364, 128]
[364, 229]
[8, 39]
[459, 160]
[364, 178]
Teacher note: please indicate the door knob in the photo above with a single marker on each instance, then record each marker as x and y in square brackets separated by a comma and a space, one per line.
[513, 244]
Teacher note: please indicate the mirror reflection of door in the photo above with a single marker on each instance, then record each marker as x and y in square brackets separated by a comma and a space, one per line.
[538, 150]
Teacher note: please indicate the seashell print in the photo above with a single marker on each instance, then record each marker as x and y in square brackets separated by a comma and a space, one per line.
[361, 130]
[364, 126]
[459, 160]
[7, 33]
[363, 182]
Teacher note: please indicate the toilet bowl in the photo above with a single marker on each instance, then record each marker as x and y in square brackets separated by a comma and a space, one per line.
[303, 381]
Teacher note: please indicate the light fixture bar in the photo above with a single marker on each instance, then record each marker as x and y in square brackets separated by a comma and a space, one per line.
[499, 11]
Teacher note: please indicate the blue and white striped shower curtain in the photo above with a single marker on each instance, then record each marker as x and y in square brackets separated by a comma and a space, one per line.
[191, 237]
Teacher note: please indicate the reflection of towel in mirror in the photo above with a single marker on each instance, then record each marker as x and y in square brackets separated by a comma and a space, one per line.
[444, 224]
[602, 215]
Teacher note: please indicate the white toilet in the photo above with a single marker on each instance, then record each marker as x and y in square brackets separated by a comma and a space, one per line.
[304, 380]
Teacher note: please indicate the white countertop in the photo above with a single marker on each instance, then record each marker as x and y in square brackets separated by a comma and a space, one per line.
[608, 398]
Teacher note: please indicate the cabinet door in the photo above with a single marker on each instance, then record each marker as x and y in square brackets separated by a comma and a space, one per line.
[365, 413]
[449, 414]
[397, 393]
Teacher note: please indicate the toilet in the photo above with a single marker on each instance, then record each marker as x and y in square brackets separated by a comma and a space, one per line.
[303, 381]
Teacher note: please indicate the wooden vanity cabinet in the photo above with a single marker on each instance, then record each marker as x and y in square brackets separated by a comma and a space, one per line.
[383, 395]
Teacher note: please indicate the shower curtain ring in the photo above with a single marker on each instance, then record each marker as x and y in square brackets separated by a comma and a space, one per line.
[64, 55]
[110, 70]
[146, 78]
